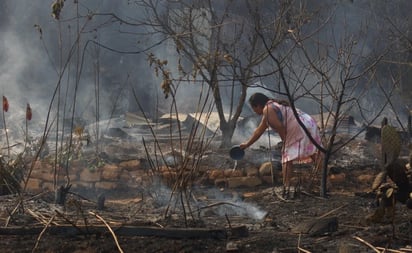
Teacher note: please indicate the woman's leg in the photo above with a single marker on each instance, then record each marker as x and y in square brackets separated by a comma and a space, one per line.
[287, 173]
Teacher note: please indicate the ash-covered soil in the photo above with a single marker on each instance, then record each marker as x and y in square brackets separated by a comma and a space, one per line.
[252, 219]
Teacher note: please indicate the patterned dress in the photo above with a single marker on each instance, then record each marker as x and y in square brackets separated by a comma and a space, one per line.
[297, 146]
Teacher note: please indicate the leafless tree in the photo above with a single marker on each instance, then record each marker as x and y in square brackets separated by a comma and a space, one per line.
[337, 74]
[216, 42]
[229, 45]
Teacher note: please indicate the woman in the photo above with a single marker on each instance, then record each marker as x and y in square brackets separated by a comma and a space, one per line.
[297, 146]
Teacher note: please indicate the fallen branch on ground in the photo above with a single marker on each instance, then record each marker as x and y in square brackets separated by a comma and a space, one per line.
[367, 244]
[110, 229]
[42, 232]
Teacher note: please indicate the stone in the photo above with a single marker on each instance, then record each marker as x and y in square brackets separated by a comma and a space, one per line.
[130, 165]
[235, 182]
[61, 177]
[110, 172]
[337, 178]
[90, 176]
[42, 170]
[133, 173]
[366, 179]
[265, 169]
[252, 172]
[78, 163]
[126, 177]
[33, 185]
[232, 173]
[82, 184]
[106, 185]
[215, 174]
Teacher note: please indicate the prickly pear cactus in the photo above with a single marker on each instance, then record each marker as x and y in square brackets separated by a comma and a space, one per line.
[379, 180]
[390, 143]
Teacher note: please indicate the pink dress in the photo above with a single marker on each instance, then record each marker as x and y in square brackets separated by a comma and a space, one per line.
[297, 146]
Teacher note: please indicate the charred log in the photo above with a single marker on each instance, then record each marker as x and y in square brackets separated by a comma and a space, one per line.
[178, 233]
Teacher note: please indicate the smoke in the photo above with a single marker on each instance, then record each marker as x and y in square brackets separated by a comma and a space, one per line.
[220, 203]
[31, 60]
[35, 48]
[230, 204]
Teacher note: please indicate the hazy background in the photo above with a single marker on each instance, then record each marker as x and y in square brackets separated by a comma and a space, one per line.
[30, 60]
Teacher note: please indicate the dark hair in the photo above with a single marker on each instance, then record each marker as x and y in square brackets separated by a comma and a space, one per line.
[258, 99]
[261, 99]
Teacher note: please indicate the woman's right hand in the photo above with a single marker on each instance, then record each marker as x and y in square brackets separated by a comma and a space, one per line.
[243, 146]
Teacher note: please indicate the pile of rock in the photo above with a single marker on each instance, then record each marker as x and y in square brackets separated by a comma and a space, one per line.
[122, 176]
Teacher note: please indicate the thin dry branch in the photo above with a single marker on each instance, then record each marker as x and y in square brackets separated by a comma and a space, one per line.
[367, 244]
[299, 248]
[40, 217]
[332, 211]
[109, 228]
[19, 204]
[402, 250]
[42, 232]
[68, 220]
[303, 250]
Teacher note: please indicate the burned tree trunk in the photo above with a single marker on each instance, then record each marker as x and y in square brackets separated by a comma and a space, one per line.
[228, 130]
[61, 195]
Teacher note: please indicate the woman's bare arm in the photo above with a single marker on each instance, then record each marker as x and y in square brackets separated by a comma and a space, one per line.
[256, 134]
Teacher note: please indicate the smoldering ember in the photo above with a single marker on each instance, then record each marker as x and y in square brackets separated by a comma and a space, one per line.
[124, 123]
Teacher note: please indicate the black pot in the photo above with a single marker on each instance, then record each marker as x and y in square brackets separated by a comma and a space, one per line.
[236, 153]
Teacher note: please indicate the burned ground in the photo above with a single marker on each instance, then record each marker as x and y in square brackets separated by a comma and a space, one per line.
[242, 219]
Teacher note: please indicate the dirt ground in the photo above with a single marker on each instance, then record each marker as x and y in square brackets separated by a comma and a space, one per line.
[270, 224]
